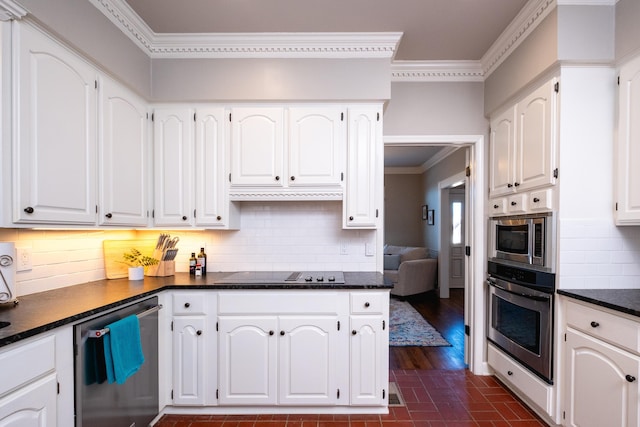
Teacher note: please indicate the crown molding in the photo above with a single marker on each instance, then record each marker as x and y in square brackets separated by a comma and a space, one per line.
[9, 10]
[586, 2]
[436, 71]
[522, 26]
[247, 45]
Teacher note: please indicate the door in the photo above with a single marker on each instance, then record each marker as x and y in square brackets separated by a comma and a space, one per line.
[597, 391]
[306, 342]
[56, 133]
[366, 360]
[188, 360]
[248, 360]
[501, 154]
[173, 159]
[31, 406]
[456, 241]
[124, 157]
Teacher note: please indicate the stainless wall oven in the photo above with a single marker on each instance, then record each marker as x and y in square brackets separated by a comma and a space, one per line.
[520, 316]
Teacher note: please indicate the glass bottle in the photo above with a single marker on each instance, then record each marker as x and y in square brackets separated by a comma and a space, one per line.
[192, 264]
[202, 260]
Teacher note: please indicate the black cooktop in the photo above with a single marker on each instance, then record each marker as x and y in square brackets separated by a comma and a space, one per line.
[286, 277]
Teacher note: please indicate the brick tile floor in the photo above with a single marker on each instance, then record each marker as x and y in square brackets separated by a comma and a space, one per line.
[433, 398]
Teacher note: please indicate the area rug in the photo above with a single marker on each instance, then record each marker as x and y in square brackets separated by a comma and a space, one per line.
[408, 328]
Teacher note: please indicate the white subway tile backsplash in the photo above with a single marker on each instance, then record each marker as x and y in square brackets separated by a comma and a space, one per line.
[273, 236]
[594, 253]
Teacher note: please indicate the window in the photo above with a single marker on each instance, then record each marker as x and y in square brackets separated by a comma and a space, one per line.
[456, 223]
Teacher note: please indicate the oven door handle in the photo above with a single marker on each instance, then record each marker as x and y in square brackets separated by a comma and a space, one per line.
[521, 294]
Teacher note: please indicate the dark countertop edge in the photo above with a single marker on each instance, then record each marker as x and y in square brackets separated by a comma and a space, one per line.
[594, 296]
[363, 277]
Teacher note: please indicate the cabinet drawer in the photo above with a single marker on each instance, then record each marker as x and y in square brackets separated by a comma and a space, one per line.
[517, 204]
[23, 363]
[498, 206]
[541, 200]
[515, 375]
[607, 326]
[185, 303]
[369, 302]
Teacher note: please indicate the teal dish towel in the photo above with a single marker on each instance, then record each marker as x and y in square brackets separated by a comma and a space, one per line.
[123, 349]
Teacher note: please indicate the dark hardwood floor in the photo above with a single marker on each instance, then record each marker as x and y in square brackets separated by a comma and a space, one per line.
[447, 316]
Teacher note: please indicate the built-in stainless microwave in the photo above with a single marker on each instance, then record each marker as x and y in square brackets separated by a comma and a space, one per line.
[526, 240]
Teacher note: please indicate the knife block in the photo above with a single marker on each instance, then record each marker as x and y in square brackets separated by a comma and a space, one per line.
[161, 269]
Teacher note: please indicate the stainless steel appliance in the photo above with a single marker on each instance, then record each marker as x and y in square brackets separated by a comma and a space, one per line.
[284, 277]
[523, 240]
[134, 403]
[520, 316]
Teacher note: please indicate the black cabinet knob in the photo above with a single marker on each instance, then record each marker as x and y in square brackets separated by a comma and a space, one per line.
[517, 184]
[184, 218]
[281, 332]
[28, 210]
[536, 200]
[199, 332]
[109, 215]
[350, 218]
[277, 178]
[219, 218]
[293, 178]
[509, 373]
[496, 206]
[630, 378]
[353, 332]
[595, 324]
[271, 332]
[513, 203]
[509, 185]
[366, 304]
[187, 304]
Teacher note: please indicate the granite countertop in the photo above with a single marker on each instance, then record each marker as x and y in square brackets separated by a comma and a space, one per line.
[40, 312]
[622, 300]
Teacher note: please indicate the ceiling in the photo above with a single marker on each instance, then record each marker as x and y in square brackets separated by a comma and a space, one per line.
[432, 30]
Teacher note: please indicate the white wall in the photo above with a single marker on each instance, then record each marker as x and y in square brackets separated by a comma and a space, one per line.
[403, 202]
[274, 236]
[593, 252]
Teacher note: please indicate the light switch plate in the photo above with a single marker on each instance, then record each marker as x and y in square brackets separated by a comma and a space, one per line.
[23, 261]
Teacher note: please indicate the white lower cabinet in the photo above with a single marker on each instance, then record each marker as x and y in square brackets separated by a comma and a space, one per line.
[282, 349]
[194, 348]
[601, 368]
[37, 381]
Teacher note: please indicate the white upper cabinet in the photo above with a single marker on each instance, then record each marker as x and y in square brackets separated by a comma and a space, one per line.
[627, 158]
[316, 146]
[287, 152]
[365, 138]
[173, 147]
[55, 138]
[522, 154]
[123, 157]
[257, 144]
[190, 162]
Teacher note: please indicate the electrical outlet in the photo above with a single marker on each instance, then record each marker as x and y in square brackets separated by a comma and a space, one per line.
[369, 249]
[23, 263]
[344, 248]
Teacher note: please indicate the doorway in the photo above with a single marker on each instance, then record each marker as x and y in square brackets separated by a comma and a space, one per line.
[474, 298]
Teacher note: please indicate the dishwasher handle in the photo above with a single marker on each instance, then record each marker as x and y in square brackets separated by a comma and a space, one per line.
[98, 333]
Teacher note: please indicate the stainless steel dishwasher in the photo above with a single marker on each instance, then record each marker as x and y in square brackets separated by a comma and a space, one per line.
[132, 404]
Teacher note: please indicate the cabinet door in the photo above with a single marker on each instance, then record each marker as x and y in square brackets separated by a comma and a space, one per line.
[306, 342]
[367, 364]
[189, 379]
[359, 204]
[55, 139]
[173, 174]
[628, 146]
[257, 144]
[316, 146]
[124, 157]
[598, 392]
[31, 406]
[502, 153]
[536, 138]
[212, 205]
[247, 360]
